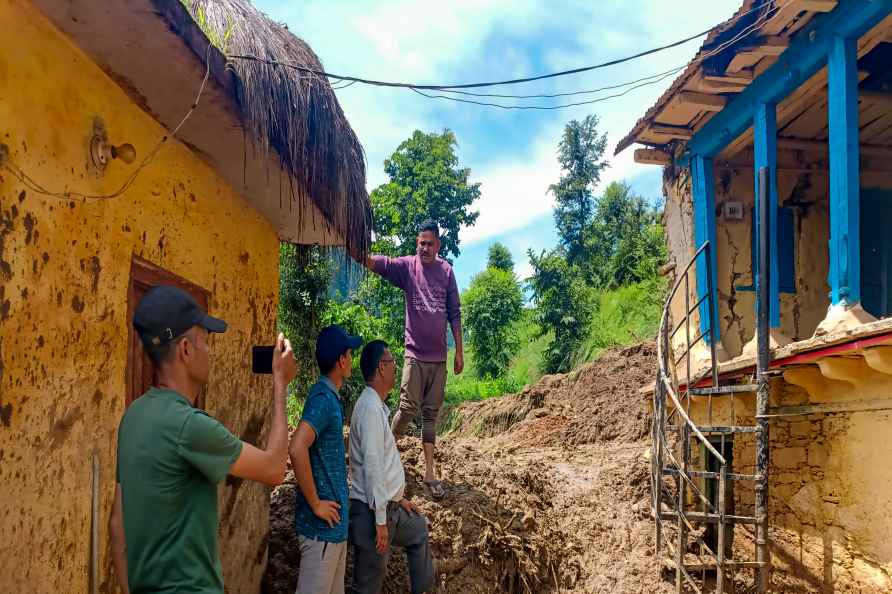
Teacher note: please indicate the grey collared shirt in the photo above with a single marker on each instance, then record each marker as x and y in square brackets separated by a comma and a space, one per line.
[375, 467]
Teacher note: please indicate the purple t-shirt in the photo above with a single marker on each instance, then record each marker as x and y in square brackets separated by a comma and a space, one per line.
[431, 301]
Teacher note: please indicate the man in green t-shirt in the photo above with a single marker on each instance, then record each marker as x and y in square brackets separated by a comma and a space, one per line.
[171, 455]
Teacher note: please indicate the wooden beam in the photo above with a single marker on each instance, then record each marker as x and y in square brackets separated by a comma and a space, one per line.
[679, 132]
[813, 5]
[773, 45]
[652, 157]
[875, 97]
[744, 77]
[703, 101]
[765, 155]
[845, 223]
[703, 192]
[831, 407]
[806, 55]
[795, 144]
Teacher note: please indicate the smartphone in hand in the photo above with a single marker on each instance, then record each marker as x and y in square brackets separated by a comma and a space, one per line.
[262, 359]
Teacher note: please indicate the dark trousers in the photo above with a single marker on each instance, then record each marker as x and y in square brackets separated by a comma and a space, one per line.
[405, 530]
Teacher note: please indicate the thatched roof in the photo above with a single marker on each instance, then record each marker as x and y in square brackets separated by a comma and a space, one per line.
[293, 112]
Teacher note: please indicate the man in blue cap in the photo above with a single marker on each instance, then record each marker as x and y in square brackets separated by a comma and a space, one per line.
[318, 458]
[171, 455]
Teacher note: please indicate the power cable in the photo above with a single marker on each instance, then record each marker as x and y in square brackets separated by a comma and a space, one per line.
[34, 186]
[381, 83]
[642, 82]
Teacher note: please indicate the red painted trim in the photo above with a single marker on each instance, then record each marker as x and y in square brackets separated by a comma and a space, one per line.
[836, 349]
[806, 357]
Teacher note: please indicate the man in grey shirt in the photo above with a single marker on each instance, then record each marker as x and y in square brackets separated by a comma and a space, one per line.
[380, 516]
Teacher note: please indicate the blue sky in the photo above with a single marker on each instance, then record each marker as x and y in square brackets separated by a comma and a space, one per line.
[512, 153]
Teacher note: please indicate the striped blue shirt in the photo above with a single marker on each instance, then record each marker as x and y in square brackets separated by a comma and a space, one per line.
[324, 413]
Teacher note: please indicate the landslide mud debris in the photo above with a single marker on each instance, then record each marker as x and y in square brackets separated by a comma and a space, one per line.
[547, 491]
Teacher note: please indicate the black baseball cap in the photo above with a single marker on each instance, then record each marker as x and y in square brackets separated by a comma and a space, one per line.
[333, 341]
[165, 312]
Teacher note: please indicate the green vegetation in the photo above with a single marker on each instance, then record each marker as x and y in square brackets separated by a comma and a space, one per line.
[606, 242]
[523, 370]
[622, 317]
[491, 307]
[304, 274]
[499, 257]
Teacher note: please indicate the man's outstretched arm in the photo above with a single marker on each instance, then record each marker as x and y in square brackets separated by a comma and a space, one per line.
[268, 466]
[393, 270]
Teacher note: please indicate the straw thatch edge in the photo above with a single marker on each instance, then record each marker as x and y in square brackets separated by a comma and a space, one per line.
[295, 114]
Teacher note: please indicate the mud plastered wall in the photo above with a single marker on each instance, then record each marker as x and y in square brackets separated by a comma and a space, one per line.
[830, 487]
[806, 193]
[64, 274]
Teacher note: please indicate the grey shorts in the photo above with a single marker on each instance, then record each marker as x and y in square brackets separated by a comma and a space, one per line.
[423, 386]
[321, 566]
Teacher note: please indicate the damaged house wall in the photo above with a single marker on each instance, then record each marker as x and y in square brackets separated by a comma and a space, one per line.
[829, 490]
[806, 194]
[64, 277]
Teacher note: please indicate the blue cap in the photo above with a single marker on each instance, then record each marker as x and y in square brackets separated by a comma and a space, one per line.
[333, 341]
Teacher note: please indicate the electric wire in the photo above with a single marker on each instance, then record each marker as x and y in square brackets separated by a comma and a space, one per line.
[36, 187]
[381, 83]
[637, 84]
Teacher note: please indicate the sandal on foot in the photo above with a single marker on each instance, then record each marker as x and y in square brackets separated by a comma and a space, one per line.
[436, 488]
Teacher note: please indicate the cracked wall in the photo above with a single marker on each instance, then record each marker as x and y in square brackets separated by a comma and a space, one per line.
[806, 194]
[64, 275]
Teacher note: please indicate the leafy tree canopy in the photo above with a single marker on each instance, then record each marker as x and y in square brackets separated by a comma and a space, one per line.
[426, 182]
[580, 153]
[491, 307]
[564, 306]
[499, 257]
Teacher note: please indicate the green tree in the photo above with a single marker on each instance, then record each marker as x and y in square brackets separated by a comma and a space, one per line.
[564, 306]
[357, 320]
[499, 257]
[304, 275]
[580, 153]
[625, 241]
[425, 183]
[491, 307]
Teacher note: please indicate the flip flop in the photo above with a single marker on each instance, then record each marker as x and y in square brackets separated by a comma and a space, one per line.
[438, 491]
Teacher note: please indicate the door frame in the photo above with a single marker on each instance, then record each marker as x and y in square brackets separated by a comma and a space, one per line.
[143, 276]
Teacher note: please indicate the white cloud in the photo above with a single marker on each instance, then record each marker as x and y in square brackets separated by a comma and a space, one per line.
[438, 42]
[513, 193]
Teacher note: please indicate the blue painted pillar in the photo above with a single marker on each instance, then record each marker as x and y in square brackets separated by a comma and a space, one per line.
[845, 187]
[703, 183]
[765, 154]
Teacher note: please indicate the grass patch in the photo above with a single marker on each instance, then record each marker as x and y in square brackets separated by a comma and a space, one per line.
[524, 369]
[623, 317]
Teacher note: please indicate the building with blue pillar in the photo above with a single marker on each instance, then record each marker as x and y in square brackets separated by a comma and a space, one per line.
[795, 96]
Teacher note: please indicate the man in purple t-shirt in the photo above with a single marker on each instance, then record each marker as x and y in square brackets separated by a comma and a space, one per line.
[431, 301]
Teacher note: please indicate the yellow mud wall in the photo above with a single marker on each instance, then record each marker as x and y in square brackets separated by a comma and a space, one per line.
[830, 486]
[64, 273]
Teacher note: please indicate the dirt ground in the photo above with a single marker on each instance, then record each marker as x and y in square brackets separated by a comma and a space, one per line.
[548, 491]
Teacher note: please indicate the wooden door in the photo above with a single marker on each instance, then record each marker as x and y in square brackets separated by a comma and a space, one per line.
[143, 276]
